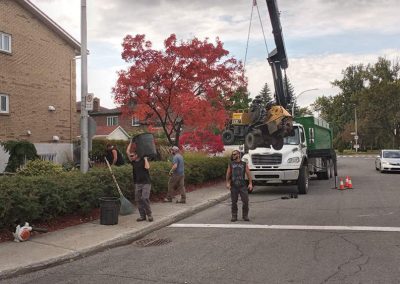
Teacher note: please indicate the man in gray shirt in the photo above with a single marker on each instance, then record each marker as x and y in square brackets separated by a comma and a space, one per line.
[177, 177]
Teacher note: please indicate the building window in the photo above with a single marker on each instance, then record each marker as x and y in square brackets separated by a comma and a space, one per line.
[5, 42]
[4, 104]
[135, 121]
[112, 120]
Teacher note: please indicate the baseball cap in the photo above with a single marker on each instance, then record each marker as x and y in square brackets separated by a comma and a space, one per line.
[175, 149]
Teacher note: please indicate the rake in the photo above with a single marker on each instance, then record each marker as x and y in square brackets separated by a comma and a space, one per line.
[126, 206]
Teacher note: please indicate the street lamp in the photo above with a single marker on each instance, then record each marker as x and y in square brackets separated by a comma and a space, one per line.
[299, 96]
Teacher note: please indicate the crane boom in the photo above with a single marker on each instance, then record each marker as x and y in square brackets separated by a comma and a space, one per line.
[277, 58]
[265, 125]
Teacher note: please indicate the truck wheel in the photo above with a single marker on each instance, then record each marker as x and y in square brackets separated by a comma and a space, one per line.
[331, 174]
[302, 182]
[228, 137]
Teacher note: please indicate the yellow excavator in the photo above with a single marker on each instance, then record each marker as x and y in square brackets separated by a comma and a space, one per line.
[265, 125]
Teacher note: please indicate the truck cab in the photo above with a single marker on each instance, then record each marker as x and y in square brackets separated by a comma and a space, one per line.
[270, 166]
[306, 151]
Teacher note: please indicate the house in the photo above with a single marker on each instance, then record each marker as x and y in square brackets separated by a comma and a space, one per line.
[111, 133]
[37, 81]
[108, 119]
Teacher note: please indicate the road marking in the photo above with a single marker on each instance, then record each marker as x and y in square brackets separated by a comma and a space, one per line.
[288, 227]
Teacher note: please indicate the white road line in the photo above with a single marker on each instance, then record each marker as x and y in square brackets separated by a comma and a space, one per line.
[288, 227]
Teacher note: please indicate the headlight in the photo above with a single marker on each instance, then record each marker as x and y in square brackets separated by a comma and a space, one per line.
[294, 160]
[244, 159]
[384, 163]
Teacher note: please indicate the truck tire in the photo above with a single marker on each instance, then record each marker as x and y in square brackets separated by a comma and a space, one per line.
[228, 137]
[325, 175]
[302, 182]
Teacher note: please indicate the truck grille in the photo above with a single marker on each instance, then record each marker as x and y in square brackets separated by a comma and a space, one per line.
[274, 159]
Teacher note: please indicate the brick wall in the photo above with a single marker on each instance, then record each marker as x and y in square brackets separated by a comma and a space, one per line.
[40, 72]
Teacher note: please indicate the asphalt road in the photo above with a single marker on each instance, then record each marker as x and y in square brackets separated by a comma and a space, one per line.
[283, 253]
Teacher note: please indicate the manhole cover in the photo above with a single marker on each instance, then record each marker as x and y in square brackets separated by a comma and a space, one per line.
[152, 242]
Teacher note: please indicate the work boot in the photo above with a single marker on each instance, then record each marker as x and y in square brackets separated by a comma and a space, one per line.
[167, 200]
[140, 219]
[246, 218]
[183, 201]
[150, 218]
[234, 218]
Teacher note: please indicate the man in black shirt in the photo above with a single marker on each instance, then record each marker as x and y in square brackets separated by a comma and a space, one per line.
[235, 181]
[114, 156]
[142, 182]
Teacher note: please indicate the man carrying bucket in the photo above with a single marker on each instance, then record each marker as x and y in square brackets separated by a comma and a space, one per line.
[142, 182]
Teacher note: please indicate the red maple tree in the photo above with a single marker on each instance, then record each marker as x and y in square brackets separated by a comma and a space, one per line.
[188, 83]
[202, 140]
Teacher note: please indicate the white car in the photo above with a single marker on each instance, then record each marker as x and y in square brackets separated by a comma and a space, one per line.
[388, 161]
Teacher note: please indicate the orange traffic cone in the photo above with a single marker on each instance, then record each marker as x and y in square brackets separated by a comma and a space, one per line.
[346, 184]
[341, 187]
[350, 185]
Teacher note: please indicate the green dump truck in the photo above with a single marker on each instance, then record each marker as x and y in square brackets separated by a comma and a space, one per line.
[307, 151]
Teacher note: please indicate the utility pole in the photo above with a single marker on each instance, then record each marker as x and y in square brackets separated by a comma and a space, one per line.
[355, 126]
[84, 90]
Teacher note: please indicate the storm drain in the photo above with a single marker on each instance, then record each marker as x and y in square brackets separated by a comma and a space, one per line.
[152, 242]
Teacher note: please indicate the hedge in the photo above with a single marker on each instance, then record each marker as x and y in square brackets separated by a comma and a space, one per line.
[40, 198]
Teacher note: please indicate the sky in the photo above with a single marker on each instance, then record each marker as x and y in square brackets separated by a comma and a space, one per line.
[322, 37]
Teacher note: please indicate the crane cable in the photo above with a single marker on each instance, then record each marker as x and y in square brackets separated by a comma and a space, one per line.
[248, 35]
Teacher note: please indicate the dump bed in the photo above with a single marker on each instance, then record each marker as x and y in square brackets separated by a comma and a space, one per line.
[318, 133]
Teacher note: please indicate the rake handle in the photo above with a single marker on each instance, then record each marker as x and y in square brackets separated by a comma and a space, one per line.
[115, 180]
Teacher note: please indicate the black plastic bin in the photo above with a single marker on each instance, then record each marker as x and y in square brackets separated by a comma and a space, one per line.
[109, 210]
[145, 145]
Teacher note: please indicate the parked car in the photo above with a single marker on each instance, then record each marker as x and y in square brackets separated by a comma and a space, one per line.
[388, 160]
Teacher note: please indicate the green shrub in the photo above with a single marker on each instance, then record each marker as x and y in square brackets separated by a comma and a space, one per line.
[39, 167]
[20, 152]
[41, 197]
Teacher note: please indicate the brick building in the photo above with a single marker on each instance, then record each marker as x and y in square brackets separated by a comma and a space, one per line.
[110, 118]
[37, 81]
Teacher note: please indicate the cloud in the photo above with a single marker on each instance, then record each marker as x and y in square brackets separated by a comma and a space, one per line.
[313, 72]
[305, 24]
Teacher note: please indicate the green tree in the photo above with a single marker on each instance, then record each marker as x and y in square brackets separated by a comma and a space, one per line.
[303, 111]
[265, 94]
[239, 100]
[372, 90]
[290, 95]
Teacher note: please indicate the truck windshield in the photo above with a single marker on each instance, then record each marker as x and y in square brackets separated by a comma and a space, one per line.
[292, 139]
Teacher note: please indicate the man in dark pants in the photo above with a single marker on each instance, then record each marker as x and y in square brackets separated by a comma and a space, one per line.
[142, 182]
[176, 177]
[235, 181]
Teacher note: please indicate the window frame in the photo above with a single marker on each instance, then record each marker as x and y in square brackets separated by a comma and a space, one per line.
[135, 121]
[113, 119]
[2, 37]
[7, 111]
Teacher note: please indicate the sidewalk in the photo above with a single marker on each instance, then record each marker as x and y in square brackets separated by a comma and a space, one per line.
[53, 248]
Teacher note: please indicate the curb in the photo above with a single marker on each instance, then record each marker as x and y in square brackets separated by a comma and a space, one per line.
[115, 242]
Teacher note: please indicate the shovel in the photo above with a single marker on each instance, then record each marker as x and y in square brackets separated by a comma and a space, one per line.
[126, 206]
